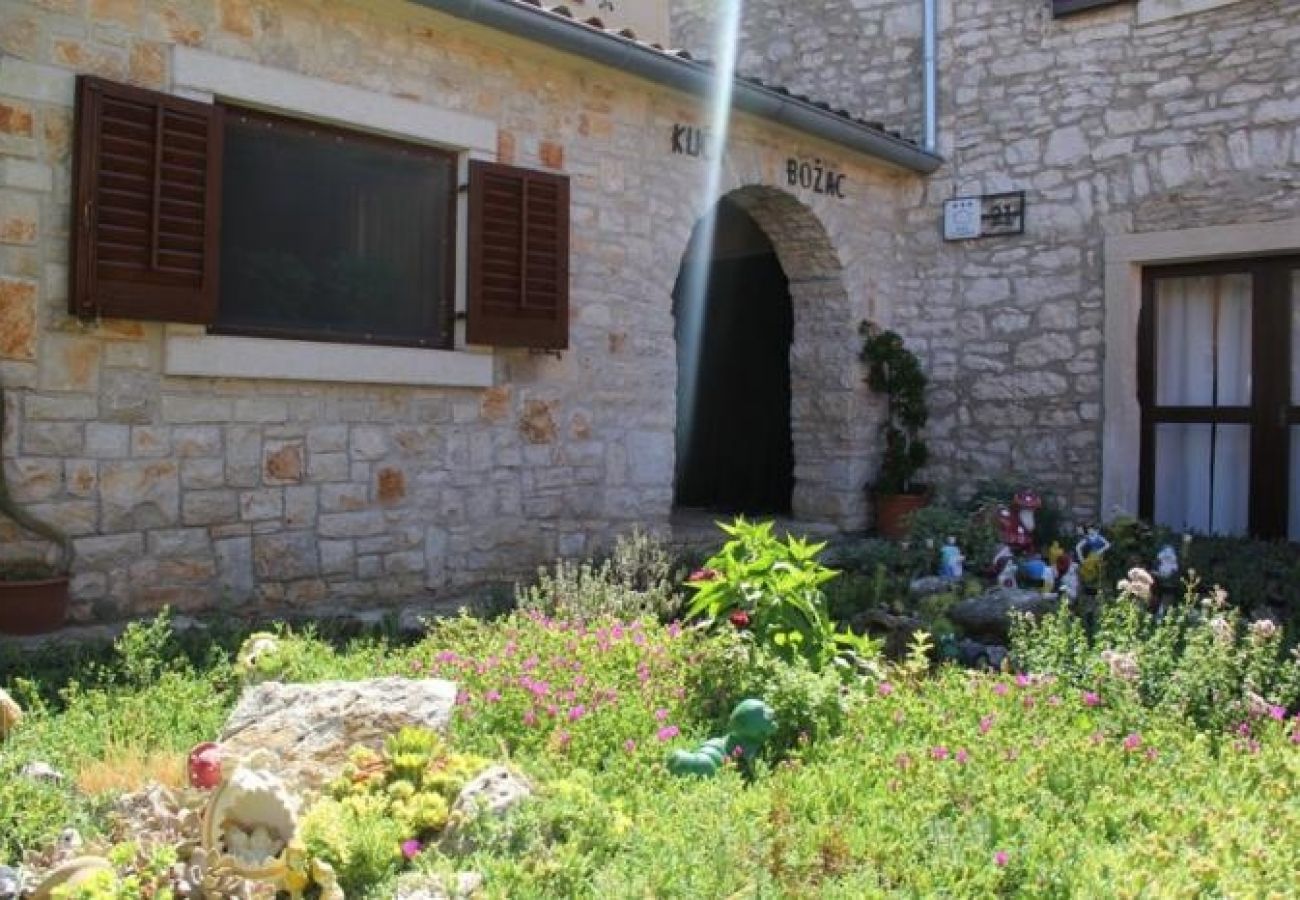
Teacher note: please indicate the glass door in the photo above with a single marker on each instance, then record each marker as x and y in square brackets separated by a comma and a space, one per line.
[1220, 433]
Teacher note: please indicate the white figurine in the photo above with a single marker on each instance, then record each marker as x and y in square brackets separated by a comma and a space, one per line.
[951, 560]
[1070, 582]
[1167, 563]
[1007, 574]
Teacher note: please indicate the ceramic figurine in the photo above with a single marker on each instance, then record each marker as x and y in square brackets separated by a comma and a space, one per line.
[203, 766]
[951, 560]
[1167, 563]
[1000, 558]
[1025, 504]
[1070, 581]
[752, 722]
[11, 714]
[1036, 570]
[1011, 531]
[1007, 574]
[1092, 542]
[250, 820]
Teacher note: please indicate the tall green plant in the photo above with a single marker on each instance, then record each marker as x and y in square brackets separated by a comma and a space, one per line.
[895, 372]
[772, 589]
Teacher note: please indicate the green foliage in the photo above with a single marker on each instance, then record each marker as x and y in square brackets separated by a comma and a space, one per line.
[356, 836]
[777, 586]
[1196, 660]
[636, 580]
[932, 526]
[895, 371]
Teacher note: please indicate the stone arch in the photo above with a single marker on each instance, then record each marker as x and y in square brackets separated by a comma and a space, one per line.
[830, 467]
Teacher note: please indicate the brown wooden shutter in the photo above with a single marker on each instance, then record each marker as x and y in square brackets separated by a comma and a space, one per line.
[147, 196]
[1066, 7]
[518, 257]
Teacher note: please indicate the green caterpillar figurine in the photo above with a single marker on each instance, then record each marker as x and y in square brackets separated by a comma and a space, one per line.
[751, 723]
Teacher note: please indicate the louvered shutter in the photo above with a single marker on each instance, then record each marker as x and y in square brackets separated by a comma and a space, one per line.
[147, 195]
[518, 257]
[1065, 7]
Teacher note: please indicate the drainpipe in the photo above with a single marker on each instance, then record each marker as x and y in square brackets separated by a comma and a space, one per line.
[930, 53]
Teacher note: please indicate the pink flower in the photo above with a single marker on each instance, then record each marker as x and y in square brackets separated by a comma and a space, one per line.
[962, 756]
[1277, 712]
[1152, 754]
[492, 696]
[562, 738]
[1000, 688]
[1244, 729]
[1133, 742]
[1053, 700]
[530, 717]
[705, 574]
[661, 714]
[987, 722]
[1029, 702]
[668, 732]
[1091, 699]
[675, 630]
[411, 849]
[577, 712]
[940, 752]
[884, 689]
[629, 745]
[1001, 858]
[1022, 680]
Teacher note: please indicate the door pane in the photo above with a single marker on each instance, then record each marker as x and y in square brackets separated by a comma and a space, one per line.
[1202, 474]
[1293, 509]
[1203, 340]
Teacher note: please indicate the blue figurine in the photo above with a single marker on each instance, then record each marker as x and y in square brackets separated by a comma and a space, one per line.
[951, 560]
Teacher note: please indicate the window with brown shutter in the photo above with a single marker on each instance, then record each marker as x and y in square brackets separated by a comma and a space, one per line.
[518, 257]
[146, 192]
[1066, 7]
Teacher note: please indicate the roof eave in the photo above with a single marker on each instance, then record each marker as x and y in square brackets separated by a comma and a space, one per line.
[572, 36]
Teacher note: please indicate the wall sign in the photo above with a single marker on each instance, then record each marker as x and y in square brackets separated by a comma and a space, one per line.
[991, 215]
[692, 140]
[814, 175]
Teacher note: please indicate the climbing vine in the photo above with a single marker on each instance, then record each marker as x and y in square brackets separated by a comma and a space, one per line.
[895, 372]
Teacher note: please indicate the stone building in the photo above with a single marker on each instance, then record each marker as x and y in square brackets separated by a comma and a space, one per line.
[1145, 134]
[310, 303]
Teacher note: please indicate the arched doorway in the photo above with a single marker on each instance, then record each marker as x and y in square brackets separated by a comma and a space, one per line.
[734, 325]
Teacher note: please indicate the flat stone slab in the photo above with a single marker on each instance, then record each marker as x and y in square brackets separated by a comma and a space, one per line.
[989, 615]
[312, 727]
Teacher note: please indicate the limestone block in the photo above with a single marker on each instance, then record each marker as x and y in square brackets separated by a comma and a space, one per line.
[494, 793]
[313, 726]
[137, 494]
[285, 557]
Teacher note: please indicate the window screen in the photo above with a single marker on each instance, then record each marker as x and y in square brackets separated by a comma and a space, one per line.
[335, 236]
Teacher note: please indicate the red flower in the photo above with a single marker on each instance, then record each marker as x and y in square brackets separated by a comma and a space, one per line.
[705, 575]
[740, 618]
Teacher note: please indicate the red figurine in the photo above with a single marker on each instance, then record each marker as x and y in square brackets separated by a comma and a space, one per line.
[204, 766]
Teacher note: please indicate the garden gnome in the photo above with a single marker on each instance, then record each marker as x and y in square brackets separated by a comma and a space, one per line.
[751, 723]
[950, 560]
[204, 766]
[1011, 531]
[1025, 503]
[11, 714]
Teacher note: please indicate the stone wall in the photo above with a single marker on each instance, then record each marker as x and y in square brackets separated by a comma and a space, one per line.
[1111, 127]
[247, 494]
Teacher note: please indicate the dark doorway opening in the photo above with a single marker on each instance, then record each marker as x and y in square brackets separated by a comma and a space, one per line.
[734, 447]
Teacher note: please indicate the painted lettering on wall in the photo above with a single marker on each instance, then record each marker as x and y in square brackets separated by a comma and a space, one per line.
[814, 175]
[691, 140]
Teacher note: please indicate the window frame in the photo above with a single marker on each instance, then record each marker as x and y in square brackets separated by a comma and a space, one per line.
[1272, 409]
[447, 316]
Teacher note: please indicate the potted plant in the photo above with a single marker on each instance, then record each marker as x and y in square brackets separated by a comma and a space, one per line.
[33, 594]
[895, 372]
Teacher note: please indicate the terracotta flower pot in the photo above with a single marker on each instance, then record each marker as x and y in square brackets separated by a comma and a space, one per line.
[33, 607]
[894, 510]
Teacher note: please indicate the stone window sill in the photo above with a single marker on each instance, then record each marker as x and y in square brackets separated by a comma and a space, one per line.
[1150, 11]
[192, 352]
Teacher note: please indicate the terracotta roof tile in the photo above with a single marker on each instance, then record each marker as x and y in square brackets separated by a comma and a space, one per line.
[627, 34]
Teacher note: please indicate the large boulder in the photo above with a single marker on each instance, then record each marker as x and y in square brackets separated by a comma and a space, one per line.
[988, 616]
[312, 727]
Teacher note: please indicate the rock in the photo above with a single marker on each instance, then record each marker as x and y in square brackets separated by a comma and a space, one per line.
[311, 727]
[11, 883]
[41, 771]
[897, 630]
[425, 886]
[70, 874]
[929, 585]
[989, 615]
[11, 714]
[493, 793]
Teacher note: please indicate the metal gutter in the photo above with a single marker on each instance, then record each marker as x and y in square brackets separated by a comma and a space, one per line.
[572, 36]
[930, 79]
